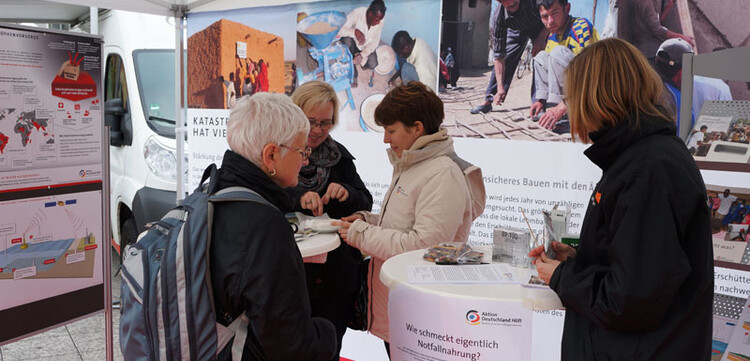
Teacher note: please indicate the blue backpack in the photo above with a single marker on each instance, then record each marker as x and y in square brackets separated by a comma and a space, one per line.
[167, 304]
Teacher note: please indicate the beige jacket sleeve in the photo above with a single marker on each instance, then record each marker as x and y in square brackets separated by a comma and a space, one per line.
[371, 218]
[438, 213]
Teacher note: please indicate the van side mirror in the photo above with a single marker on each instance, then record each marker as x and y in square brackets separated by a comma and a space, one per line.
[118, 120]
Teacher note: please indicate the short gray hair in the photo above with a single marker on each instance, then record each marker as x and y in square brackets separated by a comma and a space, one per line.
[264, 118]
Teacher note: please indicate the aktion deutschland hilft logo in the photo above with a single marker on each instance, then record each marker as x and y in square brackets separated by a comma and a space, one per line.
[472, 317]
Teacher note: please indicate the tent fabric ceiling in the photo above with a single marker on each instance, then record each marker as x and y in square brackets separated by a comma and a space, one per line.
[40, 11]
[166, 7]
[71, 11]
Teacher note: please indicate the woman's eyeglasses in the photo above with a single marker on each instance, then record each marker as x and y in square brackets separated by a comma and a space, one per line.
[305, 153]
[325, 125]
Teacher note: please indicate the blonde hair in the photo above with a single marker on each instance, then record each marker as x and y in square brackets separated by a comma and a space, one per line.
[264, 118]
[314, 95]
[609, 82]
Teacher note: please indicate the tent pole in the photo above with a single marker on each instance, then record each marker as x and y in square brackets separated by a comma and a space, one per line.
[179, 15]
[94, 21]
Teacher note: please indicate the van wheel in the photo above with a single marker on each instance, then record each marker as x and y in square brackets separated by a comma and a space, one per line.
[128, 235]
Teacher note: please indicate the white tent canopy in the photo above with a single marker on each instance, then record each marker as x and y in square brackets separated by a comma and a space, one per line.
[65, 11]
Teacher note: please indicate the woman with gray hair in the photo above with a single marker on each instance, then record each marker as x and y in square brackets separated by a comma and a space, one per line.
[256, 267]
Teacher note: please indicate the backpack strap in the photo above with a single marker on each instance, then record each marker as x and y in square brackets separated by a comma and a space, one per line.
[209, 173]
[235, 194]
[238, 327]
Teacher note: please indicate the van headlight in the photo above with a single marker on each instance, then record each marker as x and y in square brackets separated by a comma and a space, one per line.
[160, 159]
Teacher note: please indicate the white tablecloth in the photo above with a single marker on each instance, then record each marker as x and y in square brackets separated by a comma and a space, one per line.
[393, 273]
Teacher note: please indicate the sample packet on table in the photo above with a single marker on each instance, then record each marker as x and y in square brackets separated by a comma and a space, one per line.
[448, 253]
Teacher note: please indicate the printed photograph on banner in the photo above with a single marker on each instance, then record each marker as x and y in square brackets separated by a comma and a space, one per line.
[730, 220]
[364, 48]
[529, 46]
[239, 52]
[721, 133]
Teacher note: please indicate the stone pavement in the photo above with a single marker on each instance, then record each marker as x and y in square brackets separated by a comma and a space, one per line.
[82, 340]
[507, 121]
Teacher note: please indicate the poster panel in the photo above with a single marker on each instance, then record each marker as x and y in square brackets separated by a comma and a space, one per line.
[50, 115]
[51, 172]
[49, 246]
[432, 327]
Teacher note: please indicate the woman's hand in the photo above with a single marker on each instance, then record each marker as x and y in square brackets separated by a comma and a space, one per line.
[345, 223]
[353, 217]
[312, 201]
[335, 191]
[545, 266]
[562, 251]
[344, 230]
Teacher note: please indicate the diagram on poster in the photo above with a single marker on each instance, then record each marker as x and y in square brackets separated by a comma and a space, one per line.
[50, 237]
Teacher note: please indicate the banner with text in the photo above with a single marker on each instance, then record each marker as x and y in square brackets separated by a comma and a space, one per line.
[446, 328]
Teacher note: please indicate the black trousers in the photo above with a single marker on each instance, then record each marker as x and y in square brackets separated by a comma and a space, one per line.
[372, 59]
[513, 50]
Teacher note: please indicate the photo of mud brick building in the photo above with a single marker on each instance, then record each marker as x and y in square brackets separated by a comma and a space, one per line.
[213, 53]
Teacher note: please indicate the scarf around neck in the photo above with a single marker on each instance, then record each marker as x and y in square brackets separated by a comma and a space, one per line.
[314, 176]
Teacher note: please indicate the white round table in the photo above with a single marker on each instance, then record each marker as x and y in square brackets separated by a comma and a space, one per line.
[393, 273]
[318, 244]
[470, 312]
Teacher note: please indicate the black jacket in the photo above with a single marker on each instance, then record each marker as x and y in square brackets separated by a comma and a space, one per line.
[641, 286]
[256, 268]
[339, 275]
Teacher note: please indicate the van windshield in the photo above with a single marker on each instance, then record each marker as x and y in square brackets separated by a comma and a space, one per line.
[154, 71]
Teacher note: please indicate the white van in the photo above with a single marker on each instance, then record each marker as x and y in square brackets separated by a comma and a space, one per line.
[139, 106]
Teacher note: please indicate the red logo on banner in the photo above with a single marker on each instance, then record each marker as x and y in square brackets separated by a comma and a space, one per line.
[77, 106]
[16, 240]
[93, 246]
[61, 105]
[49, 261]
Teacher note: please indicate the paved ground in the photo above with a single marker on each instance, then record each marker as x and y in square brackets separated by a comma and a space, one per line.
[507, 121]
[82, 340]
